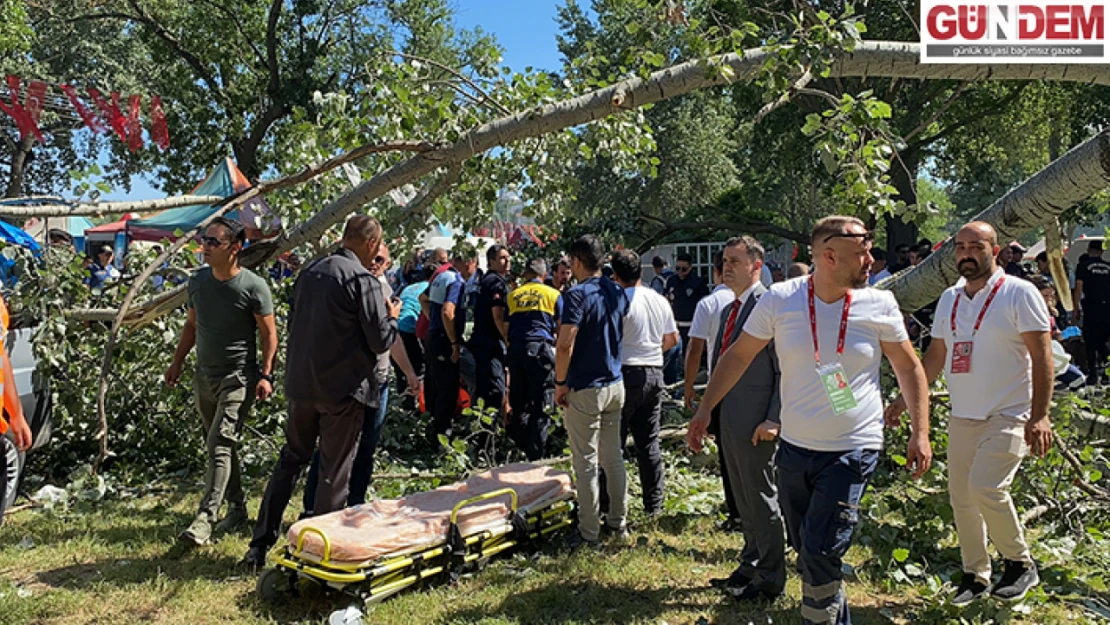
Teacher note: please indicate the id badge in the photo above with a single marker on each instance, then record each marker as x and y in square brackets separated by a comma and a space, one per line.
[961, 357]
[837, 387]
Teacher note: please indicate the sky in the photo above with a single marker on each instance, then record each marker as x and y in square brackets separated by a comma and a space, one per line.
[526, 34]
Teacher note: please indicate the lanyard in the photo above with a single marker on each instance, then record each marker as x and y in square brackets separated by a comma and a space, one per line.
[843, 324]
[982, 312]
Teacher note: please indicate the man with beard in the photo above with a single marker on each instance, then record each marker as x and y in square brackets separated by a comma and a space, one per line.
[988, 322]
[828, 327]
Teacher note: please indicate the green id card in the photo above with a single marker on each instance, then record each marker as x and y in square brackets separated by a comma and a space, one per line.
[837, 387]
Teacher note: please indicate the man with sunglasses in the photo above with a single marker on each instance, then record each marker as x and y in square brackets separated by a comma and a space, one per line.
[228, 306]
[827, 328]
[684, 290]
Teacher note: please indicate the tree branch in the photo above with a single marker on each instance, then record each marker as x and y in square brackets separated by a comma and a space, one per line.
[421, 203]
[234, 18]
[768, 108]
[936, 114]
[457, 74]
[835, 101]
[271, 48]
[28, 207]
[998, 107]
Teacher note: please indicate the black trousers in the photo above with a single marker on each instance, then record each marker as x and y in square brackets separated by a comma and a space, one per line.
[489, 360]
[442, 392]
[337, 426]
[726, 483]
[531, 395]
[642, 415]
[1096, 331]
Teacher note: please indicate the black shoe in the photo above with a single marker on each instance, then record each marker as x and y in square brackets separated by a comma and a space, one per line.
[750, 593]
[255, 559]
[1017, 579]
[730, 525]
[969, 590]
[576, 541]
[735, 580]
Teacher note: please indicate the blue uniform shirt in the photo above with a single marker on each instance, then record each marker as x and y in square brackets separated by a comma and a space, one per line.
[597, 307]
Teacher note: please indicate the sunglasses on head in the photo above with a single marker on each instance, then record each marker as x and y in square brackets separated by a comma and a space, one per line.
[866, 237]
[211, 241]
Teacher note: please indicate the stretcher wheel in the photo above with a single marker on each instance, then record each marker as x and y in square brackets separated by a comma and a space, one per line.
[273, 585]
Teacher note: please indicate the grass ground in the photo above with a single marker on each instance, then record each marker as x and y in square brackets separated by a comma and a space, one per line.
[112, 566]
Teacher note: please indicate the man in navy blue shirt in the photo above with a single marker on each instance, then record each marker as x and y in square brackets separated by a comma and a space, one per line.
[589, 386]
[447, 322]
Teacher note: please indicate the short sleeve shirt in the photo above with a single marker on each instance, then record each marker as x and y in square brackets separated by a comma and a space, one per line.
[1095, 274]
[808, 419]
[226, 325]
[707, 318]
[447, 287]
[534, 312]
[597, 308]
[648, 320]
[410, 307]
[493, 292]
[1001, 378]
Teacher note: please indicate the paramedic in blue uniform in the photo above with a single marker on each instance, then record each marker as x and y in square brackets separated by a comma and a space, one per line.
[491, 328]
[447, 322]
[534, 311]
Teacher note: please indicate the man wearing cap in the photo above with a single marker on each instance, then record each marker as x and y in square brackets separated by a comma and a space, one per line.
[534, 311]
[102, 271]
[1092, 292]
[1014, 267]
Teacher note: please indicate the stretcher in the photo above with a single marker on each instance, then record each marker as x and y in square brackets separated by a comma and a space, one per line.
[381, 547]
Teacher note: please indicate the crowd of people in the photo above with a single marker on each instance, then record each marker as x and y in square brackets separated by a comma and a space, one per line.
[793, 396]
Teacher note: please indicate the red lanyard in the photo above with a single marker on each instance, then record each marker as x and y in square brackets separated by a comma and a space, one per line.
[843, 324]
[982, 312]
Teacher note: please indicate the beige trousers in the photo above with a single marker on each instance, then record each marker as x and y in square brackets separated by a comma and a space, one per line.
[593, 422]
[983, 458]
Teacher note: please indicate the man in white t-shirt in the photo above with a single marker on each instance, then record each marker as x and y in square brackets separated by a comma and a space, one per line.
[985, 324]
[649, 330]
[830, 334]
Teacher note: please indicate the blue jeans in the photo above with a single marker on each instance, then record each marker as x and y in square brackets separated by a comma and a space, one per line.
[363, 467]
[820, 492]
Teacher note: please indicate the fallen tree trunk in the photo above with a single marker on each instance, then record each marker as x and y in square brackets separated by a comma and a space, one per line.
[1074, 177]
[870, 59]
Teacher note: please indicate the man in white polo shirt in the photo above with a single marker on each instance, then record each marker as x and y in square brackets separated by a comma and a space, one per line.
[985, 324]
[830, 333]
[649, 330]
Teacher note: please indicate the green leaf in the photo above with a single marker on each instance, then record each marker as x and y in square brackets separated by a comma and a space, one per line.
[900, 554]
[632, 28]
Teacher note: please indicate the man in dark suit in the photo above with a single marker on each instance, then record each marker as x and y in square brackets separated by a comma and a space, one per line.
[747, 422]
[340, 322]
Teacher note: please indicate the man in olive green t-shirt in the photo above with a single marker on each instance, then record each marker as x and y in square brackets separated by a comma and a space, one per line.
[227, 303]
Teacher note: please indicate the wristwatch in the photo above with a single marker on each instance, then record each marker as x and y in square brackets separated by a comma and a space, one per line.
[269, 377]
[558, 383]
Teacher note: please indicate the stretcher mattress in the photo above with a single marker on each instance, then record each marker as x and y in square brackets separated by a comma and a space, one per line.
[395, 527]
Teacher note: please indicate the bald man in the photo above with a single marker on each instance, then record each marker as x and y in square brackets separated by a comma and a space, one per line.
[830, 333]
[991, 339]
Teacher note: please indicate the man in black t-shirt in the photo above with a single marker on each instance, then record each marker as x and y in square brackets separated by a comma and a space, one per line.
[1092, 288]
[491, 329]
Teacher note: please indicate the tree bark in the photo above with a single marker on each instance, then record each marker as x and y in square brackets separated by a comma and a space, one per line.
[21, 154]
[903, 177]
[30, 207]
[1074, 177]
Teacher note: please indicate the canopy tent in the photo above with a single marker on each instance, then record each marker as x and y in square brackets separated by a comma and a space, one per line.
[225, 180]
[75, 226]
[15, 236]
[108, 231]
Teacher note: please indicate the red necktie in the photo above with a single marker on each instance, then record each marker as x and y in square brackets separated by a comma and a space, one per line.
[730, 327]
